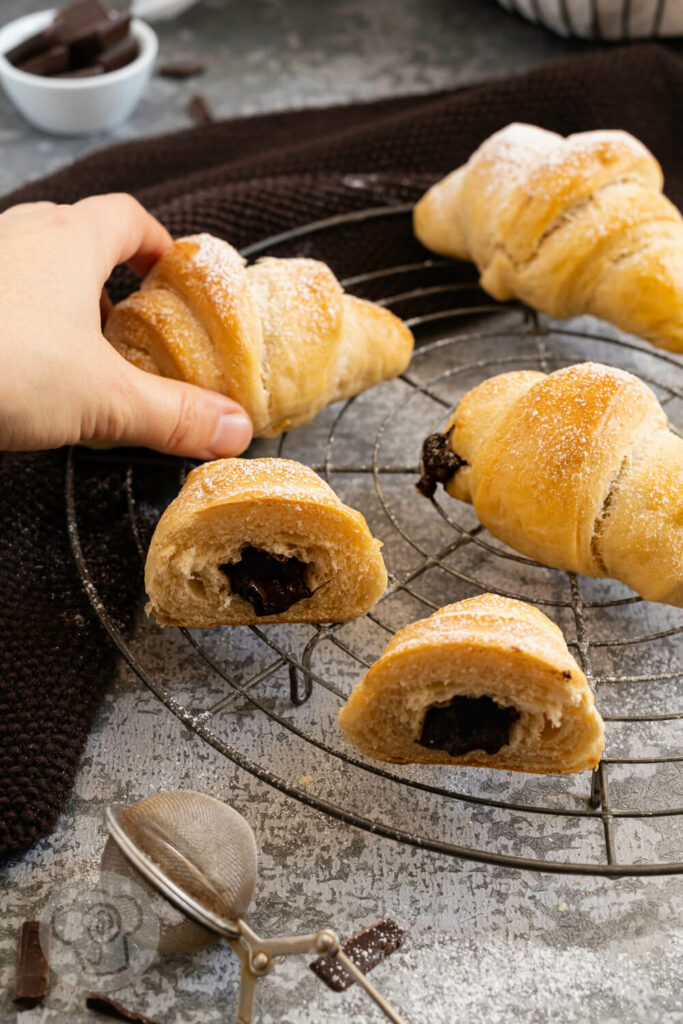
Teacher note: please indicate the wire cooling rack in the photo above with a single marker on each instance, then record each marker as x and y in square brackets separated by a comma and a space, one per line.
[267, 697]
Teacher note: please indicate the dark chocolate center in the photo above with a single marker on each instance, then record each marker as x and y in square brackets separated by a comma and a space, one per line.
[270, 583]
[439, 463]
[468, 723]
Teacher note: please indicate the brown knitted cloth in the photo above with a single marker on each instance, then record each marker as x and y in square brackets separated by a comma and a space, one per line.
[244, 180]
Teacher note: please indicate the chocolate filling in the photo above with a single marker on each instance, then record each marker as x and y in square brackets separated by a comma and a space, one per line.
[270, 583]
[468, 723]
[439, 463]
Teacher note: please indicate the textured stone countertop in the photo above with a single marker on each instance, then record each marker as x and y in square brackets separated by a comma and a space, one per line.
[486, 943]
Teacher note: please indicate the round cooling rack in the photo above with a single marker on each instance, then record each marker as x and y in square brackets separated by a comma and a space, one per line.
[267, 697]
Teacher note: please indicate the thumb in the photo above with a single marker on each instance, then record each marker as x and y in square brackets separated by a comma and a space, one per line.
[180, 419]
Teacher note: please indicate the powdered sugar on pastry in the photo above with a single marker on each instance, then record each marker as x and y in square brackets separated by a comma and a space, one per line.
[569, 226]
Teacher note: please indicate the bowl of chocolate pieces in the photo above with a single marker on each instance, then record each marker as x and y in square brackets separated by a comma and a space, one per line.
[77, 70]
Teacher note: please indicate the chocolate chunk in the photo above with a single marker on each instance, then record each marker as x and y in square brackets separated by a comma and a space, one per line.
[200, 110]
[83, 34]
[439, 463]
[468, 723]
[120, 54]
[50, 62]
[34, 45]
[270, 583]
[89, 72]
[33, 971]
[110, 1008]
[67, 24]
[181, 69]
[76, 17]
[366, 949]
[92, 41]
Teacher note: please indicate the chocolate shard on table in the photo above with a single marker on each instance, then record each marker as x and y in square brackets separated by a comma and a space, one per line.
[366, 949]
[181, 69]
[200, 110]
[32, 977]
[110, 1008]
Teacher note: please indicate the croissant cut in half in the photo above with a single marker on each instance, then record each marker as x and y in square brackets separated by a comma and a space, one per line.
[260, 540]
[577, 469]
[487, 682]
[568, 225]
[280, 336]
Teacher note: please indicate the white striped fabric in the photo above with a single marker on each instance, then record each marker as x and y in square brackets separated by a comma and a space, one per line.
[604, 19]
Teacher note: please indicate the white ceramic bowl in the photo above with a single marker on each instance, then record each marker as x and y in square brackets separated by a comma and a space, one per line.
[75, 106]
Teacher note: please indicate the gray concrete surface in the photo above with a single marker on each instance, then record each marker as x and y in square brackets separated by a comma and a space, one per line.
[488, 944]
[272, 54]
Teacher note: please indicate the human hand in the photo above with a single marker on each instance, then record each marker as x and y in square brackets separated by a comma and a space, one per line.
[60, 379]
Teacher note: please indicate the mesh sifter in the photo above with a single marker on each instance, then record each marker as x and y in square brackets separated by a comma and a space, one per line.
[267, 697]
[201, 855]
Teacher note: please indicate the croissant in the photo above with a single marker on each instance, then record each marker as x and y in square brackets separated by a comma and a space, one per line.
[260, 540]
[569, 226]
[280, 337]
[577, 469]
[487, 682]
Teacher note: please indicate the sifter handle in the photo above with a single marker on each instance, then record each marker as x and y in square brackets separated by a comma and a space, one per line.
[358, 976]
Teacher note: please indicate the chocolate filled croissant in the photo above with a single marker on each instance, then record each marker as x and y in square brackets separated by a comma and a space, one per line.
[260, 540]
[487, 682]
[577, 469]
[280, 337]
[568, 225]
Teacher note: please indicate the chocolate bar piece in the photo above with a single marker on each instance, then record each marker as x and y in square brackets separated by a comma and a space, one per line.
[50, 62]
[68, 23]
[119, 54]
[34, 44]
[33, 971]
[200, 110]
[79, 16]
[87, 46]
[181, 69]
[366, 949]
[110, 1008]
[85, 34]
[87, 72]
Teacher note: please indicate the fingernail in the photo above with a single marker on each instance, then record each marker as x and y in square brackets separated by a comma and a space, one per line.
[232, 434]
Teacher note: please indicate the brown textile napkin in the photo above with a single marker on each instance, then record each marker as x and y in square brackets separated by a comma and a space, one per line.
[244, 180]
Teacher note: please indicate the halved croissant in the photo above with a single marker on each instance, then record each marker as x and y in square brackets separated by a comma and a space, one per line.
[260, 540]
[280, 337]
[488, 682]
[569, 226]
[577, 469]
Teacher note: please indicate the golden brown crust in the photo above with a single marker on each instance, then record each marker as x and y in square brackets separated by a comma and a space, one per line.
[280, 337]
[278, 506]
[569, 226]
[486, 646]
[578, 470]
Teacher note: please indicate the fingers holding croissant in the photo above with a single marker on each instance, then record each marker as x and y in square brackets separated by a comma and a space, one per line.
[577, 469]
[281, 336]
[568, 225]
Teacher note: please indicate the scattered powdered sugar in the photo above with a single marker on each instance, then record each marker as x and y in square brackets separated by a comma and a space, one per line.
[521, 151]
[221, 266]
[273, 477]
[302, 300]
